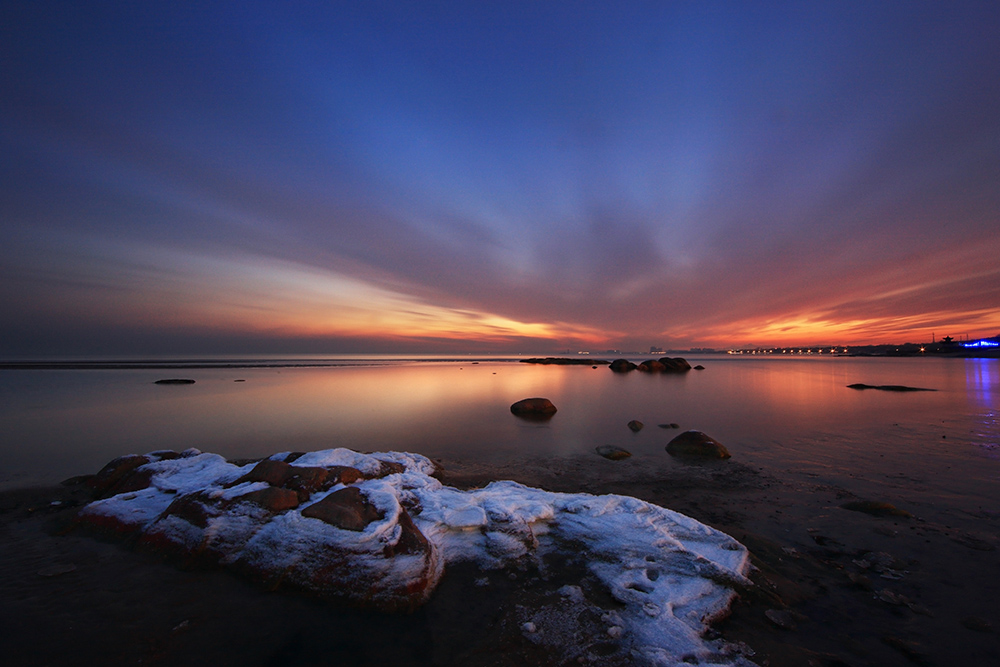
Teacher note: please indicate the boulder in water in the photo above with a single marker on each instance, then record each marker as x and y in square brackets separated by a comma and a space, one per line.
[695, 444]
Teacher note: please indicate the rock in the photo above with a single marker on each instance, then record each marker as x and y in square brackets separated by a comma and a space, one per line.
[695, 444]
[534, 408]
[303, 480]
[411, 540]
[699, 367]
[651, 366]
[886, 387]
[622, 366]
[175, 381]
[348, 509]
[670, 425]
[562, 361]
[876, 508]
[387, 468]
[272, 499]
[105, 481]
[635, 425]
[613, 453]
[675, 365]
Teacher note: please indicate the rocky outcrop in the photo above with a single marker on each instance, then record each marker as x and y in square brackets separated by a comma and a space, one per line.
[382, 542]
[695, 444]
[534, 408]
[200, 508]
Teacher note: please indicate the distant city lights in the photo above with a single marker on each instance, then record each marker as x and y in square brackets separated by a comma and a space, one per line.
[982, 343]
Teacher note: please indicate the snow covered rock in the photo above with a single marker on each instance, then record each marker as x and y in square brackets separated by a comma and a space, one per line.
[378, 530]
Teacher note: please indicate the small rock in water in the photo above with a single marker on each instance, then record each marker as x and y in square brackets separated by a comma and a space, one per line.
[613, 453]
[175, 381]
[696, 444]
[699, 367]
[534, 408]
[635, 425]
[886, 387]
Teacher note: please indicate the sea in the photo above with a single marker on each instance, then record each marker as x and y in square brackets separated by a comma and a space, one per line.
[792, 417]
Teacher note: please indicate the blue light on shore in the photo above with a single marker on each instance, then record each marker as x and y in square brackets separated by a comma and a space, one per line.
[982, 343]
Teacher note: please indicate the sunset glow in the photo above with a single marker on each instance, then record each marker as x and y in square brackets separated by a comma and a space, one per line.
[500, 178]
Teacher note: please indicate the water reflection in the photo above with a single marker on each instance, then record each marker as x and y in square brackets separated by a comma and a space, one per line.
[982, 376]
[789, 412]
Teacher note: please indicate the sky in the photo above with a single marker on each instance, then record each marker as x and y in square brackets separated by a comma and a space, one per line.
[352, 177]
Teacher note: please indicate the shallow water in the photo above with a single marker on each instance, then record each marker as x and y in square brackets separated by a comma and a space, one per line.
[793, 417]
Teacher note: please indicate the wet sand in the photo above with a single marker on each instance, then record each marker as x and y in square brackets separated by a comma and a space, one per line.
[834, 587]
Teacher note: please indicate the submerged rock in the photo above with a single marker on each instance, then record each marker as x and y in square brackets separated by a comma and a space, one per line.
[635, 425]
[695, 444]
[613, 453]
[175, 381]
[534, 408]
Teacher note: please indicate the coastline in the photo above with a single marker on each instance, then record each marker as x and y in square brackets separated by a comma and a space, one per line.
[917, 606]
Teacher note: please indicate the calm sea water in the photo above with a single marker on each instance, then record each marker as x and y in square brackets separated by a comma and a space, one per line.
[788, 416]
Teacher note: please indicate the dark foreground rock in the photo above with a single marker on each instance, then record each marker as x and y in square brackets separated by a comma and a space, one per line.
[695, 444]
[534, 408]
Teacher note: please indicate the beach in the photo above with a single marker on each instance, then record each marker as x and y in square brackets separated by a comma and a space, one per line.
[855, 589]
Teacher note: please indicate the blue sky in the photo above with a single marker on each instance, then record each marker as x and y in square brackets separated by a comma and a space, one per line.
[324, 177]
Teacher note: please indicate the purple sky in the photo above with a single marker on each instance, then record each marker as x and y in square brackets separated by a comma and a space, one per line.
[471, 176]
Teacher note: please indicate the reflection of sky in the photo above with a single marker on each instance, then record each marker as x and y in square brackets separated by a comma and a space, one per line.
[365, 176]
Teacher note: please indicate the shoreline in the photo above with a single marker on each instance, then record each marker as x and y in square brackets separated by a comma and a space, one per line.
[833, 587]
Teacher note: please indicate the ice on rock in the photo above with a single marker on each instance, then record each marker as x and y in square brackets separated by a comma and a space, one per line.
[671, 574]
